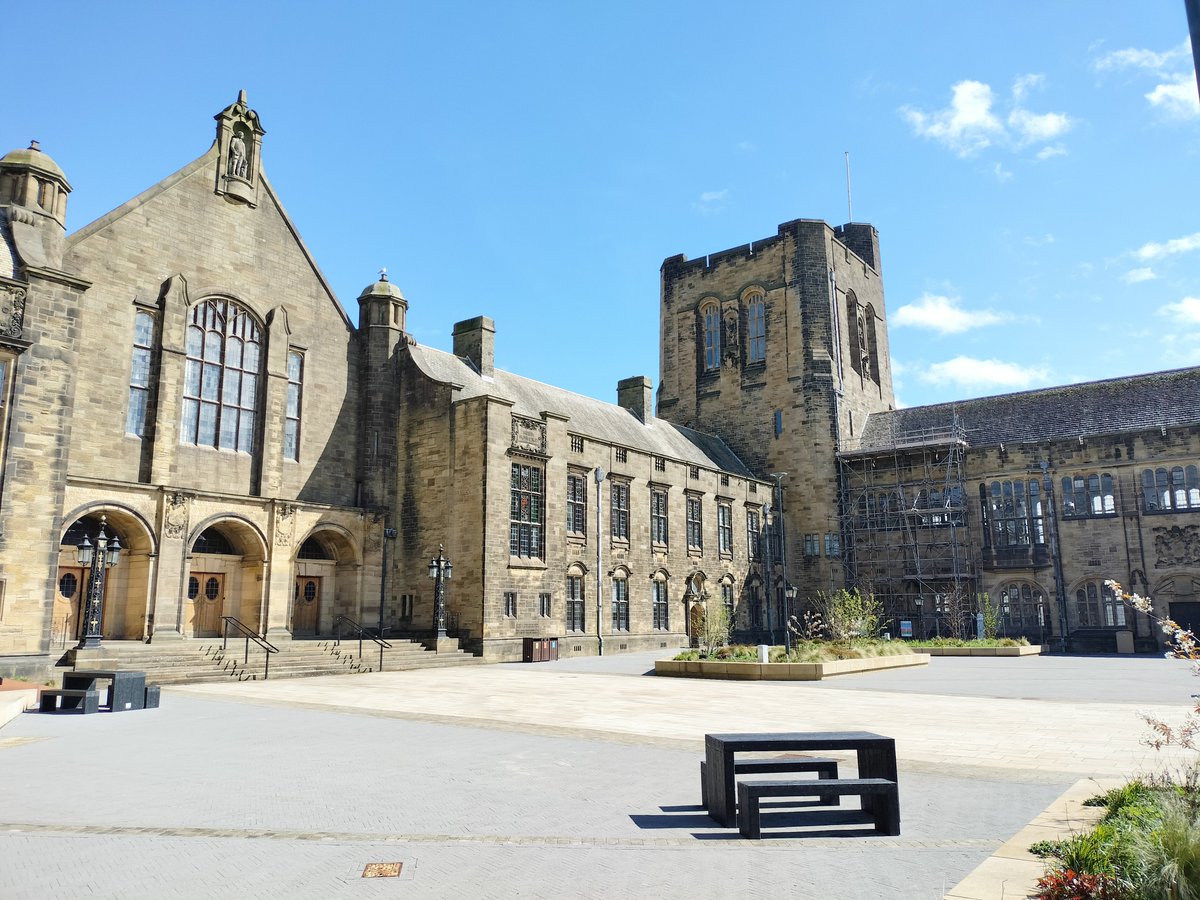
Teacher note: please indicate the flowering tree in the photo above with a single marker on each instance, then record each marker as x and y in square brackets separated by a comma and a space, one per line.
[1181, 644]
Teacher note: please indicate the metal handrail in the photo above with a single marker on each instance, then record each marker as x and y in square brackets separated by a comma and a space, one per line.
[338, 621]
[262, 642]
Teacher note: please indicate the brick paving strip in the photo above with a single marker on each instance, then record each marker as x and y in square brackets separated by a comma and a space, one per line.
[856, 845]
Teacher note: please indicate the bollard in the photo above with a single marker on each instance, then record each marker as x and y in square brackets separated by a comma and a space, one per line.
[764, 653]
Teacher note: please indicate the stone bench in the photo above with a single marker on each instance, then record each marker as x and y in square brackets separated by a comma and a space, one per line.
[883, 804]
[825, 768]
[84, 700]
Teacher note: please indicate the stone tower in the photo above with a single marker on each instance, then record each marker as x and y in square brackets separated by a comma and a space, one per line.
[780, 347]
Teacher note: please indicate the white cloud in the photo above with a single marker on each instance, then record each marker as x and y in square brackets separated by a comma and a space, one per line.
[1139, 58]
[710, 201]
[966, 126]
[971, 123]
[1040, 241]
[1031, 128]
[1001, 173]
[1186, 311]
[1177, 99]
[1136, 276]
[944, 315]
[968, 372]
[1052, 151]
[1153, 250]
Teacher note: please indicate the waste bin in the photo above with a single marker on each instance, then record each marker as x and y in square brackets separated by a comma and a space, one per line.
[539, 649]
[1124, 641]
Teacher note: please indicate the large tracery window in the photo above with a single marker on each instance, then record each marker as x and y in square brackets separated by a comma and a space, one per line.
[1165, 490]
[1012, 513]
[1088, 495]
[220, 392]
[527, 514]
[1098, 607]
[1022, 607]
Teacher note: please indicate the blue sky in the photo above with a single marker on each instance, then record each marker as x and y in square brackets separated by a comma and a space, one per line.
[1031, 166]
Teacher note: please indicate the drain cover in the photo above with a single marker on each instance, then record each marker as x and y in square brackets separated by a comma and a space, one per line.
[382, 870]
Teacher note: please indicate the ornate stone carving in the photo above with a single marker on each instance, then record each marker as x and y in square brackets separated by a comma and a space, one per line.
[285, 524]
[237, 156]
[1178, 545]
[528, 435]
[176, 516]
[12, 311]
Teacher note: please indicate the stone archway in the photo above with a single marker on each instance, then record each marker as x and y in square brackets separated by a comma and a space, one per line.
[325, 569]
[127, 585]
[224, 577]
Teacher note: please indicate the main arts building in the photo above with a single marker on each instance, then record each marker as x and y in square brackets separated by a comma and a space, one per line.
[262, 457]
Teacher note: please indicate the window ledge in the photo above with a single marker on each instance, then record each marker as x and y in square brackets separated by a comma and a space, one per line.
[656, 547]
[695, 551]
[521, 562]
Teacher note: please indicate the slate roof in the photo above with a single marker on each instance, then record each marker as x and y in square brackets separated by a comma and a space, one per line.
[1112, 406]
[589, 417]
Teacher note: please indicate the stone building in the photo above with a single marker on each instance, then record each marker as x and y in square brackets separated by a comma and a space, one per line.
[1034, 498]
[179, 374]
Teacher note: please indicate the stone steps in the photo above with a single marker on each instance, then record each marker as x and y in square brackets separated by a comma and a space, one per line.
[206, 661]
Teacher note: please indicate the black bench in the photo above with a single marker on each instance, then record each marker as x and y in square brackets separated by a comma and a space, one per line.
[824, 767]
[881, 800]
[84, 700]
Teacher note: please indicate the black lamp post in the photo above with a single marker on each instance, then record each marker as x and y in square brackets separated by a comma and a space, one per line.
[440, 569]
[98, 558]
[789, 595]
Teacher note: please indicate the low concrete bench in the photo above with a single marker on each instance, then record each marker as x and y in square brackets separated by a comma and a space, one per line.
[86, 701]
[825, 768]
[881, 800]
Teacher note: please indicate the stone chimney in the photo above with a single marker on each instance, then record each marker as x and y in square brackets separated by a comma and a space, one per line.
[476, 340]
[636, 395]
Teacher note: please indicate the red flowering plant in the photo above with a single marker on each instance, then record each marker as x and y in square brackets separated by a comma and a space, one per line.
[1067, 884]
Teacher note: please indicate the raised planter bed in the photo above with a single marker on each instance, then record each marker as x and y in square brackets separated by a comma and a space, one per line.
[752, 671]
[1031, 650]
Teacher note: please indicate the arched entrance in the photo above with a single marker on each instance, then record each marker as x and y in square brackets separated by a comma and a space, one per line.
[225, 578]
[126, 586]
[325, 585]
[694, 598]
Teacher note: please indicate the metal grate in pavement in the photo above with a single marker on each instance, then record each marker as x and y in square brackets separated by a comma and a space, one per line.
[382, 870]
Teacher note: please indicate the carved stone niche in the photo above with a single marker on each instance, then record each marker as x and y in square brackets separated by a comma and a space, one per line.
[12, 311]
[1178, 545]
[239, 143]
[529, 435]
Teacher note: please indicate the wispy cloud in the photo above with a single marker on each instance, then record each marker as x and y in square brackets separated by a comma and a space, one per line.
[1186, 311]
[944, 315]
[1138, 275]
[710, 201]
[985, 374]
[1172, 247]
[1140, 58]
[1175, 96]
[1052, 151]
[1040, 241]
[971, 122]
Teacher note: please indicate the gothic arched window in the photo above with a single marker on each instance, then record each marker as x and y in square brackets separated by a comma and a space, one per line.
[220, 392]
[756, 330]
[712, 336]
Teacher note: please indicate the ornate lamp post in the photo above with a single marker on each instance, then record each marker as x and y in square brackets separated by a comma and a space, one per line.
[98, 558]
[789, 595]
[440, 569]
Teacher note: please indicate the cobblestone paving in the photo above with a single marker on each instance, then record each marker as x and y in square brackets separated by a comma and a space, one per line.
[290, 788]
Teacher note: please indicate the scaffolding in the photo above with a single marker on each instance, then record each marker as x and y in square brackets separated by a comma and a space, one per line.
[904, 526]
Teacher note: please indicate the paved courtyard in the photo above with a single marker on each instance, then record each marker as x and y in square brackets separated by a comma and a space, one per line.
[570, 779]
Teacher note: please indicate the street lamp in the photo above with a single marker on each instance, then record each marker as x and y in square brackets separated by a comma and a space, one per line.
[440, 570]
[98, 558]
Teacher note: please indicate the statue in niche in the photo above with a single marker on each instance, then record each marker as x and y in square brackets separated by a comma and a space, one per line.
[731, 338]
[238, 164]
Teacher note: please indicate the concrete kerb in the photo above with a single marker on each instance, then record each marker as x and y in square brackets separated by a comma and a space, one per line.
[1012, 870]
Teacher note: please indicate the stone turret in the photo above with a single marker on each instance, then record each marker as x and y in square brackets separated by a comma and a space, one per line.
[33, 198]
